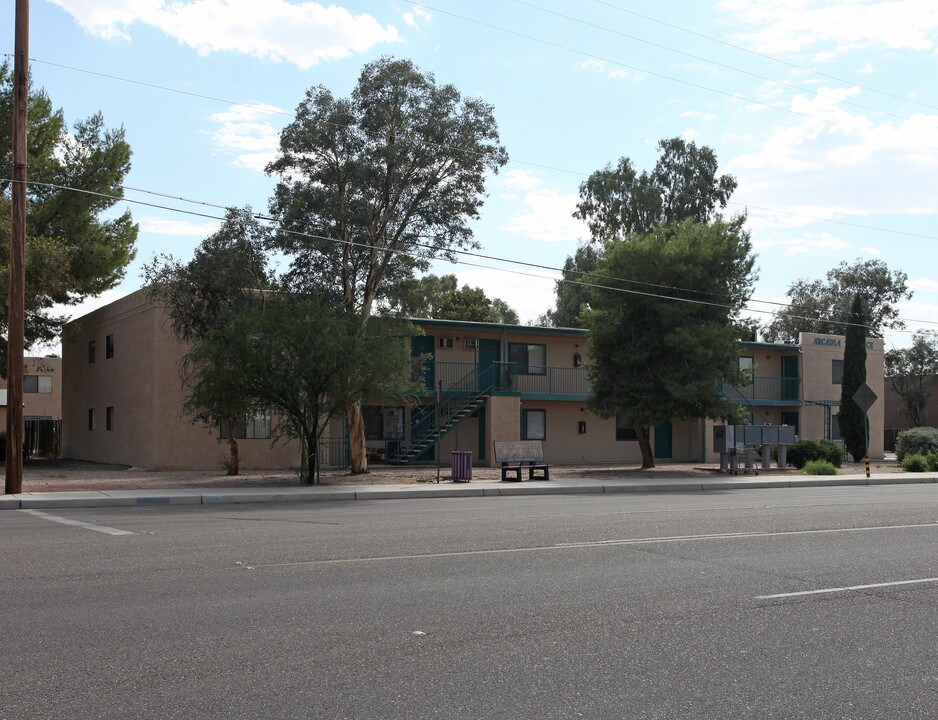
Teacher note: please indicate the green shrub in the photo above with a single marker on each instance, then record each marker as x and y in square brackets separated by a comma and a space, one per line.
[819, 467]
[915, 462]
[804, 451]
[931, 462]
[918, 441]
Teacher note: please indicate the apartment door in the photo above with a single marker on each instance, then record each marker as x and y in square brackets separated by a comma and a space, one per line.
[789, 389]
[489, 354]
[425, 345]
[663, 435]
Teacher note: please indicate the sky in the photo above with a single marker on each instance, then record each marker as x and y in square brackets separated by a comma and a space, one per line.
[825, 112]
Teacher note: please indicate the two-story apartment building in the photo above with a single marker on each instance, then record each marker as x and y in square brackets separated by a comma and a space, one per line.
[122, 397]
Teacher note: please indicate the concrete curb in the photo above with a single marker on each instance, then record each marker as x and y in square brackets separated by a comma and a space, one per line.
[235, 496]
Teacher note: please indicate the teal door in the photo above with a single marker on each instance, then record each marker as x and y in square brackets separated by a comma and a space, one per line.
[425, 345]
[489, 354]
[790, 418]
[663, 434]
[789, 389]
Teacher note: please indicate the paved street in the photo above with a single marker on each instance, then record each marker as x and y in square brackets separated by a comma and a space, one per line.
[594, 606]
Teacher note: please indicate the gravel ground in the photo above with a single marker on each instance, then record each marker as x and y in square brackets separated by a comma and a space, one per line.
[65, 475]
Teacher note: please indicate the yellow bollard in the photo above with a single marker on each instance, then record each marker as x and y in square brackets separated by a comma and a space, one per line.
[867, 460]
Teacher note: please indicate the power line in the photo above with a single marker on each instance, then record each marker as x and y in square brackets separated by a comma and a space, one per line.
[540, 166]
[783, 83]
[592, 56]
[765, 56]
[313, 236]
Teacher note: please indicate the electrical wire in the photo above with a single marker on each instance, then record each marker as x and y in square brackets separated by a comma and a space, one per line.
[350, 243]
[540, 166]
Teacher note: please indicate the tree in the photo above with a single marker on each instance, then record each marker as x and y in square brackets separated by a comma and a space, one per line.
[440, 298]
[911, 372]
[573, 296]
[374, 186]
[300, 359]
[684, 184]
[654, 359]
[823, 306]
[227, 272]
[72, 250]
[852, 419]
[618, 202]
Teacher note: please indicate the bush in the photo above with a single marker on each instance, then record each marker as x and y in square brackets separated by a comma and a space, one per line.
[918, 441]
[804, 451]
[819, 467]
[915, 462]
[931, 462]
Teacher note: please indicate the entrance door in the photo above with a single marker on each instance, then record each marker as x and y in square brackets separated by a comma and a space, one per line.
[663, 435]
[489, 354]
[425, 345]
[789, 389]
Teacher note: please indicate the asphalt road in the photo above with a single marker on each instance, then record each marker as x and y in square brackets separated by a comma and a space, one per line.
[598, 606]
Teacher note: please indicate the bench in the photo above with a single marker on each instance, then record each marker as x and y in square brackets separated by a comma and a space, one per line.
[517, 455]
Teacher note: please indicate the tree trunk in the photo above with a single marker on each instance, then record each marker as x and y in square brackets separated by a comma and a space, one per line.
[234, 460]
[356, 429]
[648, 457]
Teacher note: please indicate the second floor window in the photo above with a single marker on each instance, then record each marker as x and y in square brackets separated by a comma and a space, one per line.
[837, 372]
[109, 346]
[37, 384]
[529, 359]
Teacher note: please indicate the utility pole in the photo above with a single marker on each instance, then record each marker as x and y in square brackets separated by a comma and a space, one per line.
[16, 315]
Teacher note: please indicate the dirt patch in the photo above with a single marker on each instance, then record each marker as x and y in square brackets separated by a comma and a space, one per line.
[76, 475]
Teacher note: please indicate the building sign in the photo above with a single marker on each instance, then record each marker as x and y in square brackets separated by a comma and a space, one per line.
[837, 342]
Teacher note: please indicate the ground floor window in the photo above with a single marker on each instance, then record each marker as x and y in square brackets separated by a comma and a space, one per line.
[256, 427]
[383, 423]
[533, 424]
[625, 429]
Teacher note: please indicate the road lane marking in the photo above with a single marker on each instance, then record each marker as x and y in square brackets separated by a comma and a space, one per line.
[846, 589]
[78, 523]
[598, 544]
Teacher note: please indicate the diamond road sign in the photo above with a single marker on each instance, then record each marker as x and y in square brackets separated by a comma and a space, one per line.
[864, 397]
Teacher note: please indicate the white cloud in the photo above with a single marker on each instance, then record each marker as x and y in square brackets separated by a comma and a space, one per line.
[248, 133]
[866, 69]
[304, 34]
[411, 18]
[529, 296]
[830, 163]
[787, 26]
[707, 117]
[871, 250]
[924, 285]
[548, 213]
[178, 228]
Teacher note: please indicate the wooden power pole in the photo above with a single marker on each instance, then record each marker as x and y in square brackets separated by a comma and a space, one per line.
[16, 316]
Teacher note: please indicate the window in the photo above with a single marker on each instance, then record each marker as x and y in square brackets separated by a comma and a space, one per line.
[446, 342]
[91, 418]
[837, 372]
[256, 428]
[109, 417]
[529, 359]
[835, 428]
[533, 424]
[37, 384]
[109, 346]
[383, 423]
[625, 429]
[90, 351]
[748, 365]
[470, 344]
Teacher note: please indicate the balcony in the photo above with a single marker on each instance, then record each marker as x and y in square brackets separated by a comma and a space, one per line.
[764, 391]
[532, 382]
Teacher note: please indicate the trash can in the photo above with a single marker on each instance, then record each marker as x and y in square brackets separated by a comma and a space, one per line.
[462, 465]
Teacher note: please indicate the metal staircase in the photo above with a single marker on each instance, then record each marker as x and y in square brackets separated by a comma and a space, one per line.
[456, 404]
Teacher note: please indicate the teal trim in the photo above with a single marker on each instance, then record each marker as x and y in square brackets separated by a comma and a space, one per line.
[499, 327]
[547, 396]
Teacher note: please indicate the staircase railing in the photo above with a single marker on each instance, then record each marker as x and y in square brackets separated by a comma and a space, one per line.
[454, 405]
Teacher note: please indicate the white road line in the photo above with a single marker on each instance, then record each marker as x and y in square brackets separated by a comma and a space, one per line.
[78, 523]
[846, 589]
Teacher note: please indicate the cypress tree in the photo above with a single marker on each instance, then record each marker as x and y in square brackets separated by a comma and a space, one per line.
[852, 418]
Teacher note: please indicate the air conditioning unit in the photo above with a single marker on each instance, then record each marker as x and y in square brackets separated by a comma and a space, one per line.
[446, 342]
[470, 344]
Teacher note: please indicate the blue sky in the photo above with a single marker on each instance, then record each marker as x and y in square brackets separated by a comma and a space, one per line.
[825, 112]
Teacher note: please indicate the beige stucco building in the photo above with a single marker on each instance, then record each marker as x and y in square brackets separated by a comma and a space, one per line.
[122, 398]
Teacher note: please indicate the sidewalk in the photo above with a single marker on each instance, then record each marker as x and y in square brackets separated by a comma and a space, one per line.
[445, 489]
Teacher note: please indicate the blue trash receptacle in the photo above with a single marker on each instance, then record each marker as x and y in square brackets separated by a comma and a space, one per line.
[462, 465]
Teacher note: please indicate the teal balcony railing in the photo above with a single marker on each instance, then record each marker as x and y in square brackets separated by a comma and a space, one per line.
[764, 390]
[527, 380]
